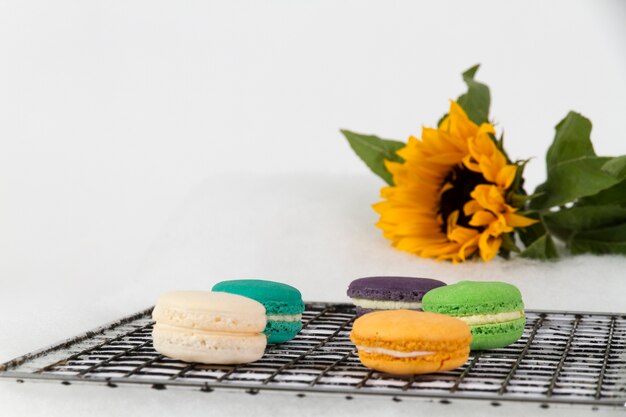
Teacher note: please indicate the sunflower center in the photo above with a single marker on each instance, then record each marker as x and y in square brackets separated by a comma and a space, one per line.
[462, 182]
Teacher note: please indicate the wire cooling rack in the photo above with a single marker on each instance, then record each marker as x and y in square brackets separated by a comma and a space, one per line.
[573, 358]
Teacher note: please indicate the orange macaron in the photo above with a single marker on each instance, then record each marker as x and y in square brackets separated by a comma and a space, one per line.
[411, 342]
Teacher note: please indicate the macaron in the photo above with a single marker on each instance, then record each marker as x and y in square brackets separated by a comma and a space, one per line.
[209, 327]
[410, 342]
[493, 310]
[389, 293]
[283, 304]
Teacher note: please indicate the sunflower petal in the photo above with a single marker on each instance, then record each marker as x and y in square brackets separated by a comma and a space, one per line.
[506, 176]
[471, 207]
[489, 246]
[469, 247]
[482, 218]
[515, 220]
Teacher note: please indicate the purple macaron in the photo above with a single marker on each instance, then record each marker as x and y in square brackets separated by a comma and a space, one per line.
[389, 293]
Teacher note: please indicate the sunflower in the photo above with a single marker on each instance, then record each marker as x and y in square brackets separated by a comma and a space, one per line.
[449, 197]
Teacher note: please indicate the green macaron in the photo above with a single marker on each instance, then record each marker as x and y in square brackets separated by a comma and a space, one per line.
[493, 310]
[283, 305]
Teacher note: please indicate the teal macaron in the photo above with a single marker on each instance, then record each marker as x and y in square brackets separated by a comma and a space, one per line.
[283, 305]
[493, 310]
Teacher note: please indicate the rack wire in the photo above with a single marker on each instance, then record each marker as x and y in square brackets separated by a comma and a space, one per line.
[562, 357]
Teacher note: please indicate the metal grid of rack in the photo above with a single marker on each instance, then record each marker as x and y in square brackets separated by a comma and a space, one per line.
[573, 358]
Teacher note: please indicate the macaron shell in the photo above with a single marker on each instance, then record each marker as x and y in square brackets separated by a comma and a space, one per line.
[207, 347]
[420, 365]
[276, 297]
[467, 298]
[409, 330]
[392, 288]
[282, 331]
[210, 311]
[497, 335]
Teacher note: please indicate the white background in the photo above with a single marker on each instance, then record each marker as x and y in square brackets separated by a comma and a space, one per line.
[147, 146]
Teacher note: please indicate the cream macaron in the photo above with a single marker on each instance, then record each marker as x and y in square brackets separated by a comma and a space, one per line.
[209, 327]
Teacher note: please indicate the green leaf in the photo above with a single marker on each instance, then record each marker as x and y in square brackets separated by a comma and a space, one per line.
[574, 170]
[573, 179]
[373, 151]
[477, 100]
[564, 223]
[542, 248]
[572, 140]
[616, 166]
[608, 240]
[615, 195]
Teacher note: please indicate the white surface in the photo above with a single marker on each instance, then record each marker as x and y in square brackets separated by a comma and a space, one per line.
[46, 399]
[126, 128]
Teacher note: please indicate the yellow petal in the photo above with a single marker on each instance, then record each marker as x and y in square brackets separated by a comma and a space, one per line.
[471, 164]
[515, 220]
[415, 245]
[485, 129]
[434, 251]
[489, 246]
[394, 167]
[462, 234]
[498, 227]
[471, 207]
[506, 176]
[459, 123]
[448, 158]
[469, 247]
[489, 197]
[482, 218]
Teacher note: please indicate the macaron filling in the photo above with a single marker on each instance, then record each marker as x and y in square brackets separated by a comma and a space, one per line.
[480, 319]
[284, 317]
[393, 353]
[386, 304]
